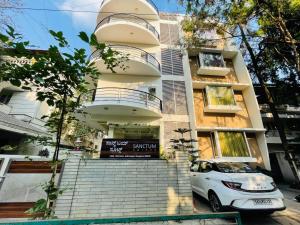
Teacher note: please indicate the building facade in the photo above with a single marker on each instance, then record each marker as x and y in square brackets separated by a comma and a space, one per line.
[289, 114]
[20, 116]
[164, 87]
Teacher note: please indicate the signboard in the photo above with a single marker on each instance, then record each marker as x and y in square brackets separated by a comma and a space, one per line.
[129, 148]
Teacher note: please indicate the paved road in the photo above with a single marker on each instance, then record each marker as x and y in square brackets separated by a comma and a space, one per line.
[290, 216]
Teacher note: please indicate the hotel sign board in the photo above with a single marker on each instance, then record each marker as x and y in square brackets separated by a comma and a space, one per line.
[129, 148]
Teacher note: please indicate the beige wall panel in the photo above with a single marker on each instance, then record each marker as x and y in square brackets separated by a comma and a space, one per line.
[239, 120]
[229, 78]
[255, 151]
[205, 146]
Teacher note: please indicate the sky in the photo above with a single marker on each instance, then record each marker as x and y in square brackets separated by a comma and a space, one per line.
[34, 25]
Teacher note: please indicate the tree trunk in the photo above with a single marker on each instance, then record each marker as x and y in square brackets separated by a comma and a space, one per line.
[51, 183]
[59, 129]
[270, 102]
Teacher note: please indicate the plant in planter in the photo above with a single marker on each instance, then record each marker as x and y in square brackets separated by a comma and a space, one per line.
[184, 144]
[44, 153]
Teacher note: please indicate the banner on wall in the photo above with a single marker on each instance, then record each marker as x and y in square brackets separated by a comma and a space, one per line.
[129, 148]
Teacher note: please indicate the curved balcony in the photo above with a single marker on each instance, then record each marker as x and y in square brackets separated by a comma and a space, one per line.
[139, 61]
[133, 29]
[115, 102]
[144, 8]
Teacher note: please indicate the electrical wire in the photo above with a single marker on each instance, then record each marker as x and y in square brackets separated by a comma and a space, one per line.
[64, 10]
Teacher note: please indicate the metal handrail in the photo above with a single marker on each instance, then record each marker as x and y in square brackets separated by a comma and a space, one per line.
[149, 1]
[132, 53]
[121, 17]
[129, 220]
[119, 95]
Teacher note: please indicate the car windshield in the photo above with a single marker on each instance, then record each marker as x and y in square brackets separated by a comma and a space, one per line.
[228, 167]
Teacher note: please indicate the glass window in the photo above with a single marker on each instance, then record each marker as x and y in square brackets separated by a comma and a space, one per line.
[195, 167]
[220, 95]
[233, 144]
[212, 59]
[205, 167]
[234, 167]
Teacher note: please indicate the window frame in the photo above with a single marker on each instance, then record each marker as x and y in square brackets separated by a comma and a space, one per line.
[219, 150]
[201, 59]
[208, 99]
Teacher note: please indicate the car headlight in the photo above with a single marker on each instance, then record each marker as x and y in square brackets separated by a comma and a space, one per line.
[232, 185]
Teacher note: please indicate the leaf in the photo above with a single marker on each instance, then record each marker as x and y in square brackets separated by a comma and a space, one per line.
[83, 36]
[11, 31]
[3, 38]
[52, 32]
[50, 102]
[16, 83]
[94, 40]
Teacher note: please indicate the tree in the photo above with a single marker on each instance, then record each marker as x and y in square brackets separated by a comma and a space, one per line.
[243, 21]
[58, 77]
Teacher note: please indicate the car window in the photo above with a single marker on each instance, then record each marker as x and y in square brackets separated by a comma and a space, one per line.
[205, 167]
[234, 167]
[195, 167]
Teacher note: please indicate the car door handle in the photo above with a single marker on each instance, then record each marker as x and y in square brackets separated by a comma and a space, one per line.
[207, 178]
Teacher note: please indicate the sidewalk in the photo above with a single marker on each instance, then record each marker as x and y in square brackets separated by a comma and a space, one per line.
[289, 196]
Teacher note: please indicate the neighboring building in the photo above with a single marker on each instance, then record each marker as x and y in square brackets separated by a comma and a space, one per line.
[164, 87]
[20, 116]
[290, 116]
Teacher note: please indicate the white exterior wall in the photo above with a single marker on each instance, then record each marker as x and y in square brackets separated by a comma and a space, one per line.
[23, 103]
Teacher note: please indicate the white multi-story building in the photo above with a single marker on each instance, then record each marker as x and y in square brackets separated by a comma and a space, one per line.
[20, 116]
[165, 87]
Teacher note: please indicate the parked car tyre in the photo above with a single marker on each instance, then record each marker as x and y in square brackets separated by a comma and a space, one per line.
[215, 202]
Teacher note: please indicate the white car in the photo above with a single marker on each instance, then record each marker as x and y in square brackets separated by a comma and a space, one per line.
[235, 185]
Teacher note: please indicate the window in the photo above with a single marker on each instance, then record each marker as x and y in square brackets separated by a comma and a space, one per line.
[174, 97]
[234, 167]
[207, 34]
[205, 167]
[194, 167]
[209, 59]
[233, 144]
[220, 95]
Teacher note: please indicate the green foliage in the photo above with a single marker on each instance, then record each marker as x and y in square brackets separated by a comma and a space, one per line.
[39, 209]
[57, 76]
[8, 148]
[184, 144]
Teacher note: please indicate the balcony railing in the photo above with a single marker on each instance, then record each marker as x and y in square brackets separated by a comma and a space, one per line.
[149, 1]
[122, 95]
[123, 17]
[132, 53]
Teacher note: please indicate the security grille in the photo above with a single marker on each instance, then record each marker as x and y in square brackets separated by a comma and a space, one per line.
[169, 34]
[174, 97]
[171, 62]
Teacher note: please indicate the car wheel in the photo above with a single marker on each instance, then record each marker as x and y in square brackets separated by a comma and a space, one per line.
[214, 202]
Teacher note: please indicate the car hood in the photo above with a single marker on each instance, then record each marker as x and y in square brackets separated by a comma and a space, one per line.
[252, 181]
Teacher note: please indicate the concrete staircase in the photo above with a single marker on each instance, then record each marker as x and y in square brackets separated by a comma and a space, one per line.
[118, 188]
